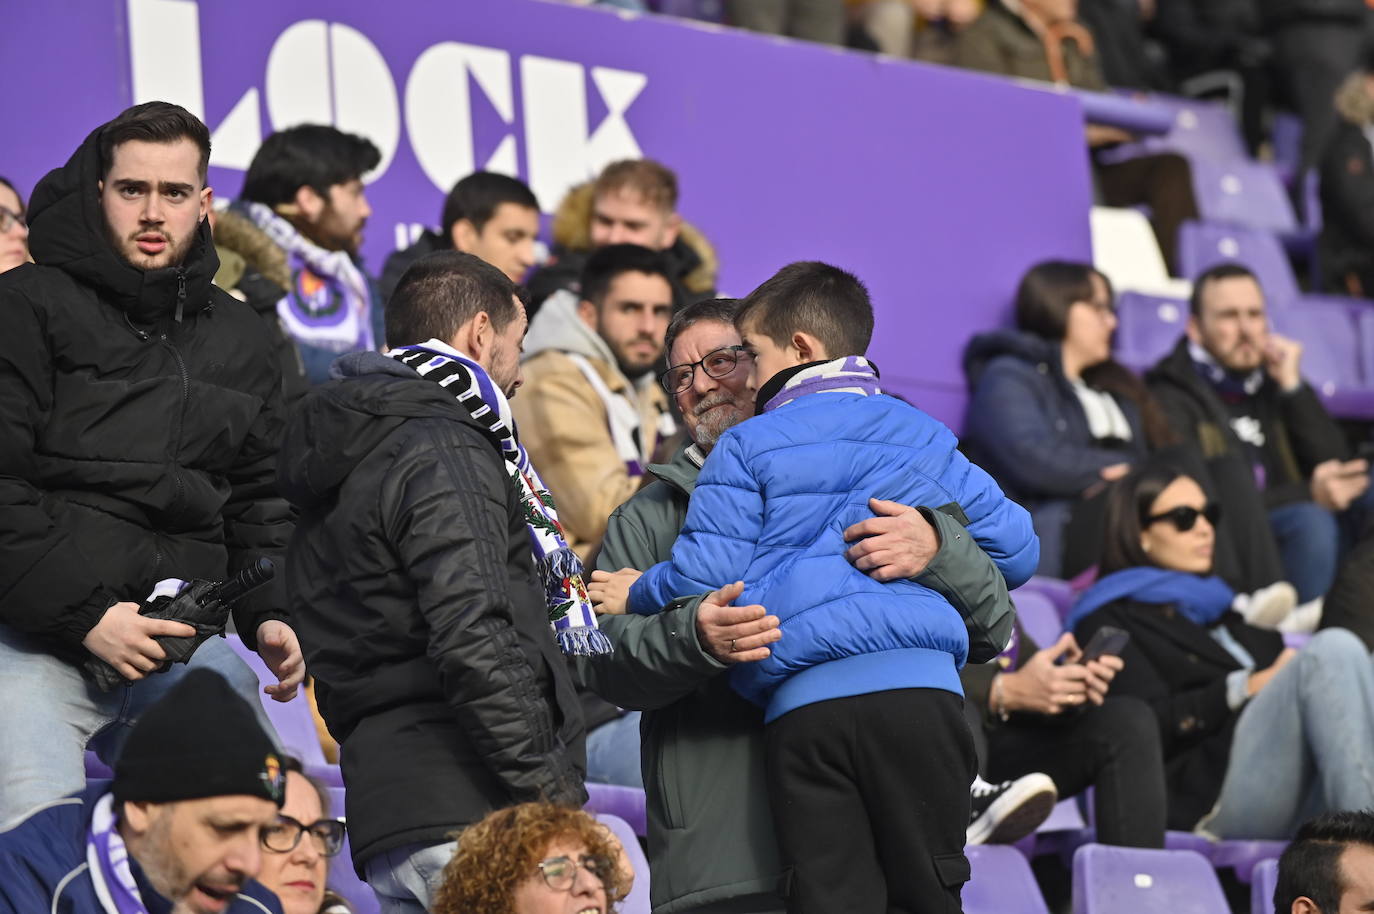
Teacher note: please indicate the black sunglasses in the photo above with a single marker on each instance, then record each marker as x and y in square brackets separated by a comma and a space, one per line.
[1184, 517]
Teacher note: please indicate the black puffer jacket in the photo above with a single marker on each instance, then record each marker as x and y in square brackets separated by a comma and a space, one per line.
[134, 445]
[415, 597]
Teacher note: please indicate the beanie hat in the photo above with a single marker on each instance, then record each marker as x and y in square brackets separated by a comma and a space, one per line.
[199, 740]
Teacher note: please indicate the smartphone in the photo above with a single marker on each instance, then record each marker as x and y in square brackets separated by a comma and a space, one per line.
[1365, 451]
[1108, 640]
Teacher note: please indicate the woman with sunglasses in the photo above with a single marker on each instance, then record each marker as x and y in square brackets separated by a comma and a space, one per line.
[296, 851]
[535, 858]
[1257, 737]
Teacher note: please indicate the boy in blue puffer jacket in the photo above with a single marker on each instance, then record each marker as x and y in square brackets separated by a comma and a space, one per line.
[868, 755]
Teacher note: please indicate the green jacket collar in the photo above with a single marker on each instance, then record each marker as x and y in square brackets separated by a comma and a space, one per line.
[682, 470]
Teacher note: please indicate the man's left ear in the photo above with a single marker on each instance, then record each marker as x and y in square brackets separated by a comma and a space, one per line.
[207, 200]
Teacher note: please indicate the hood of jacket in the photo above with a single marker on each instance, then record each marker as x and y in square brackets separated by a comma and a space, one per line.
[234, 231]
[694, 257]
[557, 326]
[1028, 347]
[369, 396]
[67, 230]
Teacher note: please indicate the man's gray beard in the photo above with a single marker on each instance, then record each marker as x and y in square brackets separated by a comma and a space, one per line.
[707, 433]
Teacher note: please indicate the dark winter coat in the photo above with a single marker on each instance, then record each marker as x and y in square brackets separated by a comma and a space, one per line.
[140, 413]
[1173, 664]
[397, 262]
[419, 612]
[1346, 246]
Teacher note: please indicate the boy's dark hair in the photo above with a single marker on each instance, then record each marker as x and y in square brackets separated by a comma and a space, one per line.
[441, 292]
[605, 264]
[154, 122]
[829, 303]
[310, 155]
[1047, 292]
[1311, 866]
[721, 310]
[476, 197]
[651, 180]
[1216, 274]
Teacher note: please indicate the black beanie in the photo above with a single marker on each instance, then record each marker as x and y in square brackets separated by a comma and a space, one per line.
[200, 740]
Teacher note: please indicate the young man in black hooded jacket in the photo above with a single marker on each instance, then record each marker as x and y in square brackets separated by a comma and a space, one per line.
[139, 421]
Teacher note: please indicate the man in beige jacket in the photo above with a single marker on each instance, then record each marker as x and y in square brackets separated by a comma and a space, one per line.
[591, 414]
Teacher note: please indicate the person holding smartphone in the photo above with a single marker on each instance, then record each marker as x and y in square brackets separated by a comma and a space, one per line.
[1255, 734]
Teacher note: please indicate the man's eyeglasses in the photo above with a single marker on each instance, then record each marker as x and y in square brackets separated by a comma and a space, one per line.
[1184, 517]
[716, 364]
[561, 872]
[283, 836]
[9, 219]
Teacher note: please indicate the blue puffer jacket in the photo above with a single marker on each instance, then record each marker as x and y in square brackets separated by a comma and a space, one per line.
[43, 866]
[770, 508]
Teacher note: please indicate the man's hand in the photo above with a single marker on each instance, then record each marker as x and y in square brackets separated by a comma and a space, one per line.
[610, 590]
[281, 651]
[1045, 687]
[1101, 672]
[735, 634]
[1115, 471]
[1281, 359]
[124, 640]
[1336, 483]
[898, 543]
[1258, 681]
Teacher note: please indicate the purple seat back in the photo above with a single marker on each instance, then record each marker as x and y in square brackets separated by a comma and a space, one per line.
[1201, 130]
[1148, 327]
[1245, 856]
[1110, 880]
[1002, 882]
[1038, 616]
[637, 902]
[1333, 356]
[343, 879]
[1266, 878]
[622, 802]
[1239, 192]
[1286, 135]
[293, 721]
[1203, 245]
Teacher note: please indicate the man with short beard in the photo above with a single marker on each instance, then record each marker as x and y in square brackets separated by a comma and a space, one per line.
[140, 410]
[179, 830]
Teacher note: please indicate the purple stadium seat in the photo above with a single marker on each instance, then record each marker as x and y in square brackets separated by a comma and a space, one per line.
[1245, 856]
[1038, 616]
[1148, 326]
[1002, 883]
[1286, 135]
[95, 768]
[1110, 880]
[1202, 245]
[1337, 337]
[622, 802]
[343, 879]
[1201, 130]
[1262, 887]
[1243, 193]
[637, 902]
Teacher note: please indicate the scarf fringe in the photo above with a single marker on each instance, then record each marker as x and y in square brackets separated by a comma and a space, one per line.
[583, 641]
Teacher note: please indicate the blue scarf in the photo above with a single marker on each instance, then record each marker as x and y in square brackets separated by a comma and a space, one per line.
[1201, 599]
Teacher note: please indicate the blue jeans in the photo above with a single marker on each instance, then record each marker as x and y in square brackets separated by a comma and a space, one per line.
[613, 752]
[1312, 541]
[405, 879]
[51, 714]
[1302, 745]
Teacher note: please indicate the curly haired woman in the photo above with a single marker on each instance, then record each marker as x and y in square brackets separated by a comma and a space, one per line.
[535, 858]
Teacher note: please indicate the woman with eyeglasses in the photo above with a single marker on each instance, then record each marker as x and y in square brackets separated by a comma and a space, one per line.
[14, 231]
[535, 858]
[1257, 737]
[296, 851]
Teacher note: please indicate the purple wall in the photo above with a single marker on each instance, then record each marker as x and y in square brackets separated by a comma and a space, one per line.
[936, 187]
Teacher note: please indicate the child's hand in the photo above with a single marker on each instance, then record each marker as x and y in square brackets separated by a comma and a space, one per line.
[610, 590]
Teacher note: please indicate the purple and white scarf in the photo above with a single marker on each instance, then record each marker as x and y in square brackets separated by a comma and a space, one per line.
[559, 568]
[852, 374]
[108, 861]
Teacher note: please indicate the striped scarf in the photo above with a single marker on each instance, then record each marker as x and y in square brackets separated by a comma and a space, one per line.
[559, 568]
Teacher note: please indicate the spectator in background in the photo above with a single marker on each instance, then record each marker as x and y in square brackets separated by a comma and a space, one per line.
[1346, 247]
[1329, 866]
[923, 29]
[304, 188]
[1128, 59]
[1042, 39]
[14, 231]
[425, 572]
[489, 215]
[633, 201]
[534, 858]
[179, 829]
[298, 847]
[1235, 390]
[1255, 734]
[118, 319]
[811, 20]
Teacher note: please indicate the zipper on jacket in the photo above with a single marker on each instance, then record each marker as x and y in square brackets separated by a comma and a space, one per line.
[181, 419]
[181, 294]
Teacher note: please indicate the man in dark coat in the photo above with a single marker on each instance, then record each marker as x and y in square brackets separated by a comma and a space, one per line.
[139, 421]
[413, 584]
[1236, 390]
